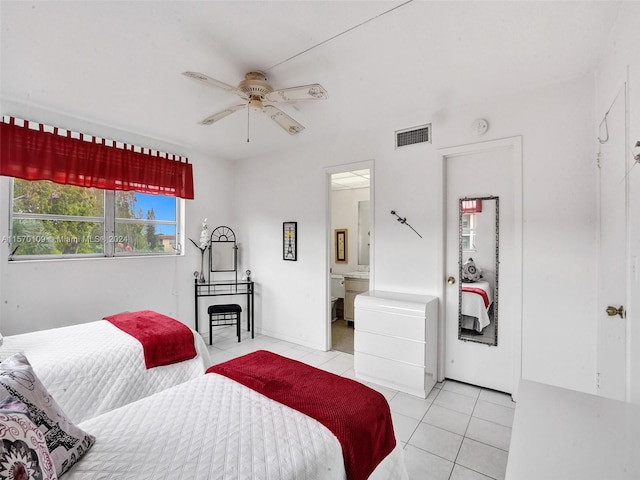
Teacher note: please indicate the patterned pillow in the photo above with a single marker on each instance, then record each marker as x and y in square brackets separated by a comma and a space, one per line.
[66, 442]
[470, 272]
[23, 449]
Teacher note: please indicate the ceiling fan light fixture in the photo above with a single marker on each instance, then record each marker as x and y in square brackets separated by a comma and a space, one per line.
[255, 104]
[255, 84]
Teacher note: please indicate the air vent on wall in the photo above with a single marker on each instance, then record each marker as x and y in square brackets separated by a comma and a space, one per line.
[411, 136]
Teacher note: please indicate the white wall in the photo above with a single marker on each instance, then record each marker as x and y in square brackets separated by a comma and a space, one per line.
[289, 294]
[621, 61]
[37, 295]
[556, 123]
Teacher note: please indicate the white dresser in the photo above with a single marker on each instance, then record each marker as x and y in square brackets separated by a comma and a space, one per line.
[396, 340]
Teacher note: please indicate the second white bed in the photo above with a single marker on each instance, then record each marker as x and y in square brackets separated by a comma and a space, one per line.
[215, 428]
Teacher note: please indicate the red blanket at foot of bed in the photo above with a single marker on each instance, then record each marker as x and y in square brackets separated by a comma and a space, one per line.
[480, 292]
[164, 340]
[357, 415]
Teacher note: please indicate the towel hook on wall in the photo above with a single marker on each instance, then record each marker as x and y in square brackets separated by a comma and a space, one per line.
[404, 221]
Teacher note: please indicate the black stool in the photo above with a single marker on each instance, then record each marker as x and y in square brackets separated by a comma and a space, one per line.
[227, 314]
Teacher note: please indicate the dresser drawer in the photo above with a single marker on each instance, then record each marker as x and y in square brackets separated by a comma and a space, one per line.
[393, 348]
[396, 325]
[390, 373]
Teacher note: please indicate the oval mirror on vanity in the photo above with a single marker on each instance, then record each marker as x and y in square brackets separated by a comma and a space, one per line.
[478, 260]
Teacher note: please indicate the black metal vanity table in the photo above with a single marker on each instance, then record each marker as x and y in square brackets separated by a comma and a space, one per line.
[226, 287]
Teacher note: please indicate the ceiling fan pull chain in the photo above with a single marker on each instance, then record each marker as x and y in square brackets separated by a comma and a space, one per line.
[248, 113]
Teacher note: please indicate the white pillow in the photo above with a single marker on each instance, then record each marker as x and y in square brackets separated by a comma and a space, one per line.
[67, 443]
[23, 449]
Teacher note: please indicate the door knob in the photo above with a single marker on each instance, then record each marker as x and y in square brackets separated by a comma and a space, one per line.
[613, 311]
[451, 280]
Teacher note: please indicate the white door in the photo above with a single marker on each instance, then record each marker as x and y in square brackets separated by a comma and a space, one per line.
[485, 172]
[612, 285]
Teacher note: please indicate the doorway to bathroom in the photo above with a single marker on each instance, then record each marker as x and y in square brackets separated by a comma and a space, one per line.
[350, 248]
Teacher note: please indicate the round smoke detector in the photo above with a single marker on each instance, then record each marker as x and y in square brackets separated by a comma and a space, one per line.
[480, 126]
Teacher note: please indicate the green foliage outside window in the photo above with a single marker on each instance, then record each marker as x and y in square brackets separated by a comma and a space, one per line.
[53, 219]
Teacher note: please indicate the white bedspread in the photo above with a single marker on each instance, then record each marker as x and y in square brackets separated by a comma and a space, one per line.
[215, 428]
[473, 306]
[95, 367]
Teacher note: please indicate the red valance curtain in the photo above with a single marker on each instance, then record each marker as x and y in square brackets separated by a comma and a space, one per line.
[85, 161]
[471, 206]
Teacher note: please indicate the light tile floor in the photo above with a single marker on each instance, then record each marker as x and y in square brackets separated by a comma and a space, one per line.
[459, 432]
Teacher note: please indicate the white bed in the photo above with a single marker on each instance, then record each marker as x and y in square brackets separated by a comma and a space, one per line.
[212, 427]
[474, 309]
[95, 367]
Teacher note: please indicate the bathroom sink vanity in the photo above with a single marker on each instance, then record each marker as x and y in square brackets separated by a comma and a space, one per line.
[355, 283]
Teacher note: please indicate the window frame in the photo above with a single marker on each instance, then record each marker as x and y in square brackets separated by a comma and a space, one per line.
[469, 232]
[108, 220]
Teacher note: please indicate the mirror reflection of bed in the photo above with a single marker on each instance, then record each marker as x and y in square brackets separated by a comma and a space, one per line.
[479, 260]
[477, 310]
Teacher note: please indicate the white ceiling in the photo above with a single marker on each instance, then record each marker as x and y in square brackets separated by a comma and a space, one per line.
[349, 180]
[119, 63]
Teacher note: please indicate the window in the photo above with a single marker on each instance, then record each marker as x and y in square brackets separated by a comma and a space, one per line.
[469, 209]
[53, 220]
[468, 231]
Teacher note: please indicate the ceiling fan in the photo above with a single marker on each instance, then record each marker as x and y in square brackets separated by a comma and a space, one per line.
[255, 91]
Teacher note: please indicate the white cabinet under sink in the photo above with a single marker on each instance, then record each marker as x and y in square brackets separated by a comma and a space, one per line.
[353, 286]
[395, 340]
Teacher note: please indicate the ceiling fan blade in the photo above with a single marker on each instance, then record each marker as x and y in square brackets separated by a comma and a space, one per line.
[216, 83]
[220, 115]
[302, 92]
[282, 119]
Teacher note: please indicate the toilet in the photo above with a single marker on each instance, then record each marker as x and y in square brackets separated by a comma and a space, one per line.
[337, 292]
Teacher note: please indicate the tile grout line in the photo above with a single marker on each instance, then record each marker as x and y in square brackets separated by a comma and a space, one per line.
[455, 462]
[418, 425]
